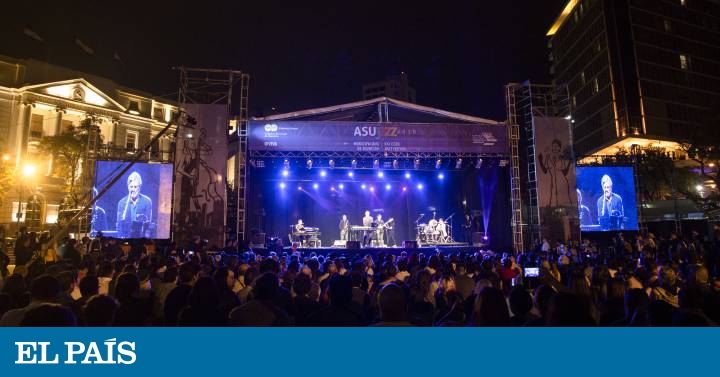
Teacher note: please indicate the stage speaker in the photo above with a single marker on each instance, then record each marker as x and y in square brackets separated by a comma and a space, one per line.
[340, 243]
[353, 245]
[258, 238]
[477, 238]
[410, 244]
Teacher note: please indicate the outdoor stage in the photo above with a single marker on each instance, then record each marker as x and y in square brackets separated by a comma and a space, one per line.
[389, 170]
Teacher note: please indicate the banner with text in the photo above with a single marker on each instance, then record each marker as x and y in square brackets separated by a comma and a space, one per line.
[285, 136]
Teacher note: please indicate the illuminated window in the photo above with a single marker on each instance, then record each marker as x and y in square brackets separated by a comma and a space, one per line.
[131, 140]
[684, 62]
[596, 86]
[36, 126]
[668, 26]
[683, 2]
[574, 101]
[582, 77]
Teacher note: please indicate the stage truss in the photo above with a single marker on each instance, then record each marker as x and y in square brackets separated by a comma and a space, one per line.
[524, 102]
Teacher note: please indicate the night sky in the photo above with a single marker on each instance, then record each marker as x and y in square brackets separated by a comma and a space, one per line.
[458, 54]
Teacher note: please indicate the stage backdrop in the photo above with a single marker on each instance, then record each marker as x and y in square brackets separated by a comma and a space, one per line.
[277, 202]
[377, 137]
[201, 162]
[114, 216]
[555, 169]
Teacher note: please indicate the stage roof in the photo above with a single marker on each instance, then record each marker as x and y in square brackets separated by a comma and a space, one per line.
[368, 111]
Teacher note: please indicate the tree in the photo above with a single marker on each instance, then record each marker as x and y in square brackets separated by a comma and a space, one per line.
[68, 150]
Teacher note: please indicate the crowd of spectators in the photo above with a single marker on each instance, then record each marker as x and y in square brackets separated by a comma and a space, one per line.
[634, 281]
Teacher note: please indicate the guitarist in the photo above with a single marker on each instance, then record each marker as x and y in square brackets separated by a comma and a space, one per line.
[380, 230]
[344, 228]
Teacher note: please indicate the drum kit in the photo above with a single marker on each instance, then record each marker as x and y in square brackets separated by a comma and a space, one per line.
[434, 231]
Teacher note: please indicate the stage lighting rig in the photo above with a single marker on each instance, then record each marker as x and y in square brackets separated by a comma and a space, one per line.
[331, 163]
[478, 164]
[309, 164]
[458, 164]
[438, 164]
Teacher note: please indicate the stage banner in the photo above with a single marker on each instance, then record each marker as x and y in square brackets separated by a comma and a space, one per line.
[377, 137]
[555, 172]
[201, 161]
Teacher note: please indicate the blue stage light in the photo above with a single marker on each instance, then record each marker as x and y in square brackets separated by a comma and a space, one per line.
[380, 174]
[332, 188]
[315, 186]
[285, 173]
[407, 175]
[282, 185]
[363, 186]
[350, 174]
[372, 188]
[299, 188]
[420, 186]
[388, 187]
[441, 176]
[341, 186]
[404, 188]
[323, 173]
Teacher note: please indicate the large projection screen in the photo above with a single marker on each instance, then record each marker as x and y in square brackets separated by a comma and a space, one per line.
[136, 206]
[606, 199]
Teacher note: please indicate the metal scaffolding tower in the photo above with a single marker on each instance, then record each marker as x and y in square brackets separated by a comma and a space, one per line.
[217, 86]
[525, 102]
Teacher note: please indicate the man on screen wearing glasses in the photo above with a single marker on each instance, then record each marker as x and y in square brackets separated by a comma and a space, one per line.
[610, 206]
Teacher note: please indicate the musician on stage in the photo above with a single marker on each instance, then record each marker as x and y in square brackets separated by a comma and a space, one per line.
[390, 234]
[442, 230]
[344, 228]
[300, 228]
[380, 230]
[467, 228]
[367, 221]
[133, 208]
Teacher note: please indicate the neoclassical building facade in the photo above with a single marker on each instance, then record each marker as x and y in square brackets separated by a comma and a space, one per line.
[38, 99]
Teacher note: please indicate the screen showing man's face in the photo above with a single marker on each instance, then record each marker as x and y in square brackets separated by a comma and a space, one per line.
[134, 189]
[607, 189]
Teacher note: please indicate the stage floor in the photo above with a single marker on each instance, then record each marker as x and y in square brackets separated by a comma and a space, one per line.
[427, 250]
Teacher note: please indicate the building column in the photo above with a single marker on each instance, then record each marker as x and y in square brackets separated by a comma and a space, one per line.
[56, 132]
[23, 130]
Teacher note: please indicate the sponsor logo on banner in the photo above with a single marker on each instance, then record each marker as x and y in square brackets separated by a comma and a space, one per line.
[271, 127]
[108, 352]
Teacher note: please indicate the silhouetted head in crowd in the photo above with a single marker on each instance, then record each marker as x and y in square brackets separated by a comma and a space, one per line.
[187, 273]
[266, 286]
[89, 286]
[224, 278]
[269, 265]
[99, 311]
[567, 310]
[126, 286]
[49, 315]
[301, 284]
[340, 290]
[67, 281]
[541, 297]
[44, 288]
[204, 294]
[14, 285]
[520, 301]
[392, 303]
[490, 308]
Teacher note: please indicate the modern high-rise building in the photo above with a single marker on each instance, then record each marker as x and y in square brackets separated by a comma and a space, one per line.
[396, 87]
[644, 72]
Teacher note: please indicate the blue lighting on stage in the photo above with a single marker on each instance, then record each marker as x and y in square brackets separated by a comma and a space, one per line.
[323, 173]
[388, 187]
[341, 186]
[332, 188]
[407, 175]
[363, 186]
[299, 188]
[285, 173]
[282, 185]
[315, 186]
[350, 174]
[404, 188]
[441, 176]
[372, 188]
[420, 186]
[380, 174]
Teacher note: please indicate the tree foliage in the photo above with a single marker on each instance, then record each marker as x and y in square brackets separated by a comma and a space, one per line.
[68, 150]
